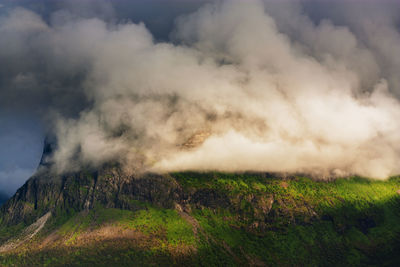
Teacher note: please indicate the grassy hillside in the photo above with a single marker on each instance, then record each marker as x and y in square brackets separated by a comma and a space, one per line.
[228, 220]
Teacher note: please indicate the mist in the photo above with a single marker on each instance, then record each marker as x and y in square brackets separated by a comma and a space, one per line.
[260, 86]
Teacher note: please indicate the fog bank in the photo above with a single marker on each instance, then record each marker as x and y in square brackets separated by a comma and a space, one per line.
[258, 86]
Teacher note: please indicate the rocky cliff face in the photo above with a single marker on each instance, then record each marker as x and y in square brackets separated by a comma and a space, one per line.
[83, 190]
[250, 219]
[109, 187]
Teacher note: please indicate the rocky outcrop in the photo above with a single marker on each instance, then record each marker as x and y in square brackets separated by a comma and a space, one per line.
[108, 187]
[111, 187]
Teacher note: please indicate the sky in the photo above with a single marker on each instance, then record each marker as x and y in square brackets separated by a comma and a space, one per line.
[281, 86]
[21, 139]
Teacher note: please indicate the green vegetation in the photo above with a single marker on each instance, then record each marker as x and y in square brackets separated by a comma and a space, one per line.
[231, 220]
[353, 221]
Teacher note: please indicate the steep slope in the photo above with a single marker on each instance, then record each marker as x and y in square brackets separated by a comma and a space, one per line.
[108, 218]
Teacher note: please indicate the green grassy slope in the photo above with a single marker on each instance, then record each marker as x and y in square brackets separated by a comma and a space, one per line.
[238, 219]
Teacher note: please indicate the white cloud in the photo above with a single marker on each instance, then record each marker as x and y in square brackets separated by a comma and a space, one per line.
[273, 97]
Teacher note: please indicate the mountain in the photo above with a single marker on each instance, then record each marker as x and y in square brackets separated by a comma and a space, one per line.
[106, 217]
[3, 198]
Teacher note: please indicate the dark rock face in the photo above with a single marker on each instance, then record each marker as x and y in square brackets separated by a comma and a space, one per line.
[210, 198]
[83, 190]
[108, 187]
[48, 149]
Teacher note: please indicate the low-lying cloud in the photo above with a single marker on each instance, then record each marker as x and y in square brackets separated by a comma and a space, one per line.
[267, 87]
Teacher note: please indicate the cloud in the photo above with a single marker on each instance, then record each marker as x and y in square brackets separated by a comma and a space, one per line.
[268, 88]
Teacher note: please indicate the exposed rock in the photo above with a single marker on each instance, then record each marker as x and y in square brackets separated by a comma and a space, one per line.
[210, 198]
[196, 140]
[109, 187]
[83, 190]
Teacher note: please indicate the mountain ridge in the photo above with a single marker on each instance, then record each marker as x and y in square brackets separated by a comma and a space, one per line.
[108, 217]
